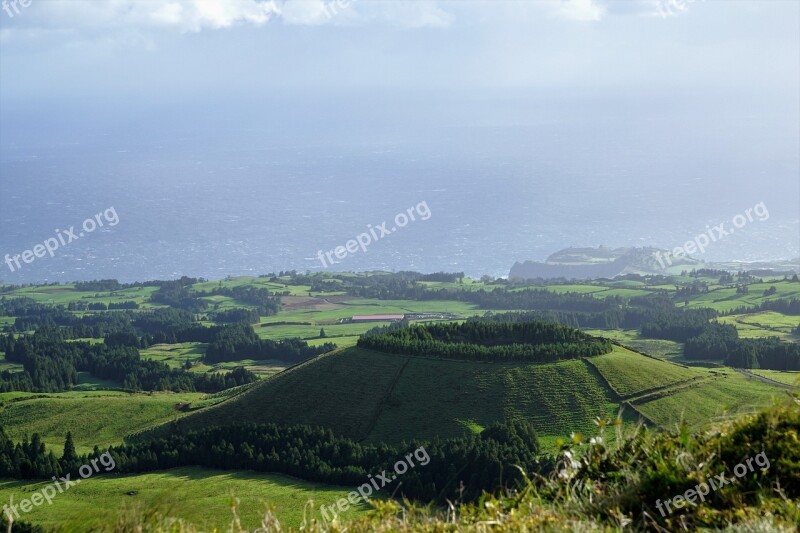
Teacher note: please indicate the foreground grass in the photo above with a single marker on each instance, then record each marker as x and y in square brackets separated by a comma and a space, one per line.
[597, 488]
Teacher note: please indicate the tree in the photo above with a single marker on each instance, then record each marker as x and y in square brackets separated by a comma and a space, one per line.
[322, 333]
[69, 460]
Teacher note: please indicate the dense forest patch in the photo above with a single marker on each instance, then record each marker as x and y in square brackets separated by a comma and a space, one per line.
[478, 340]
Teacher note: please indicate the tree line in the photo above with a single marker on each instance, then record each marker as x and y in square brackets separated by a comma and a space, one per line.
[494, 341]
[711, 340]
[235, 342]
[50, 364]
[179, 294]
[457, 468]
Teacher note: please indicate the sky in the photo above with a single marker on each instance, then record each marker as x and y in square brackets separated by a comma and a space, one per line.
[146, 50]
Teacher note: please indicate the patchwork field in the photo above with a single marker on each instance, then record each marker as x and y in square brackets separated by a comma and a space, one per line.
[176, 356]
[726, 298]
[63, 294]
[764, 324]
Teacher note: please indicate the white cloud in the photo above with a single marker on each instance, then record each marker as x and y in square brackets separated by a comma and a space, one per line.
[579, 10]
[197, 15]
[409, 14]
[107, 20]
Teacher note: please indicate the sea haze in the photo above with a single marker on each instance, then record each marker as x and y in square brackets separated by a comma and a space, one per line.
[261, 186]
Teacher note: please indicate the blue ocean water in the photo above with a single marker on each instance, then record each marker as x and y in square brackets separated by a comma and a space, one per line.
[210, 203]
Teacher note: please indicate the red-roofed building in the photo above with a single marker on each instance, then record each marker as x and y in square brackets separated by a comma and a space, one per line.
[377, 318]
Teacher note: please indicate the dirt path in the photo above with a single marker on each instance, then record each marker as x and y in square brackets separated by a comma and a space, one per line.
[765, 380]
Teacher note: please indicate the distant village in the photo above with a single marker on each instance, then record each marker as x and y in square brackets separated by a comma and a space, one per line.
[398, 318]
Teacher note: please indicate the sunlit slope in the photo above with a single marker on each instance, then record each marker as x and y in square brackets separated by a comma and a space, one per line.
[630, 373]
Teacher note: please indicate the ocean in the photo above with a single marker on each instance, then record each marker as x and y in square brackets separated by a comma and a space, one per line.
[233, 200]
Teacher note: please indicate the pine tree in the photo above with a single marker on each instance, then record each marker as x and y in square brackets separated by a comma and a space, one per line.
[69, 460]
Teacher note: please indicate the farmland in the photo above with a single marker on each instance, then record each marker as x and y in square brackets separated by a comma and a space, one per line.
[370, 396]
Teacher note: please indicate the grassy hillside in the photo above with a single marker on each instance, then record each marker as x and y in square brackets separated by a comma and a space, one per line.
[377, 397]
[726, 394]
[342, 390]
[629, 373]
[447, 398]
[764, 324]
[100, 418]
[373, 396]
[197, 495]
[726, 298]
[787, 378]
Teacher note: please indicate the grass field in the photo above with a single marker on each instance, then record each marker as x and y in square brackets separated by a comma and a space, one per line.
[93, 418]
[726, 298]
[787, 378]
[309, 332]
[379, 397]
[629, 373]
[63, 294]
[199, 495]
[342, 342]
[174, 355]
[728, 393]
[307, 315]
[763, 324]
[7, 365]
[87, 382]
[630, 338]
